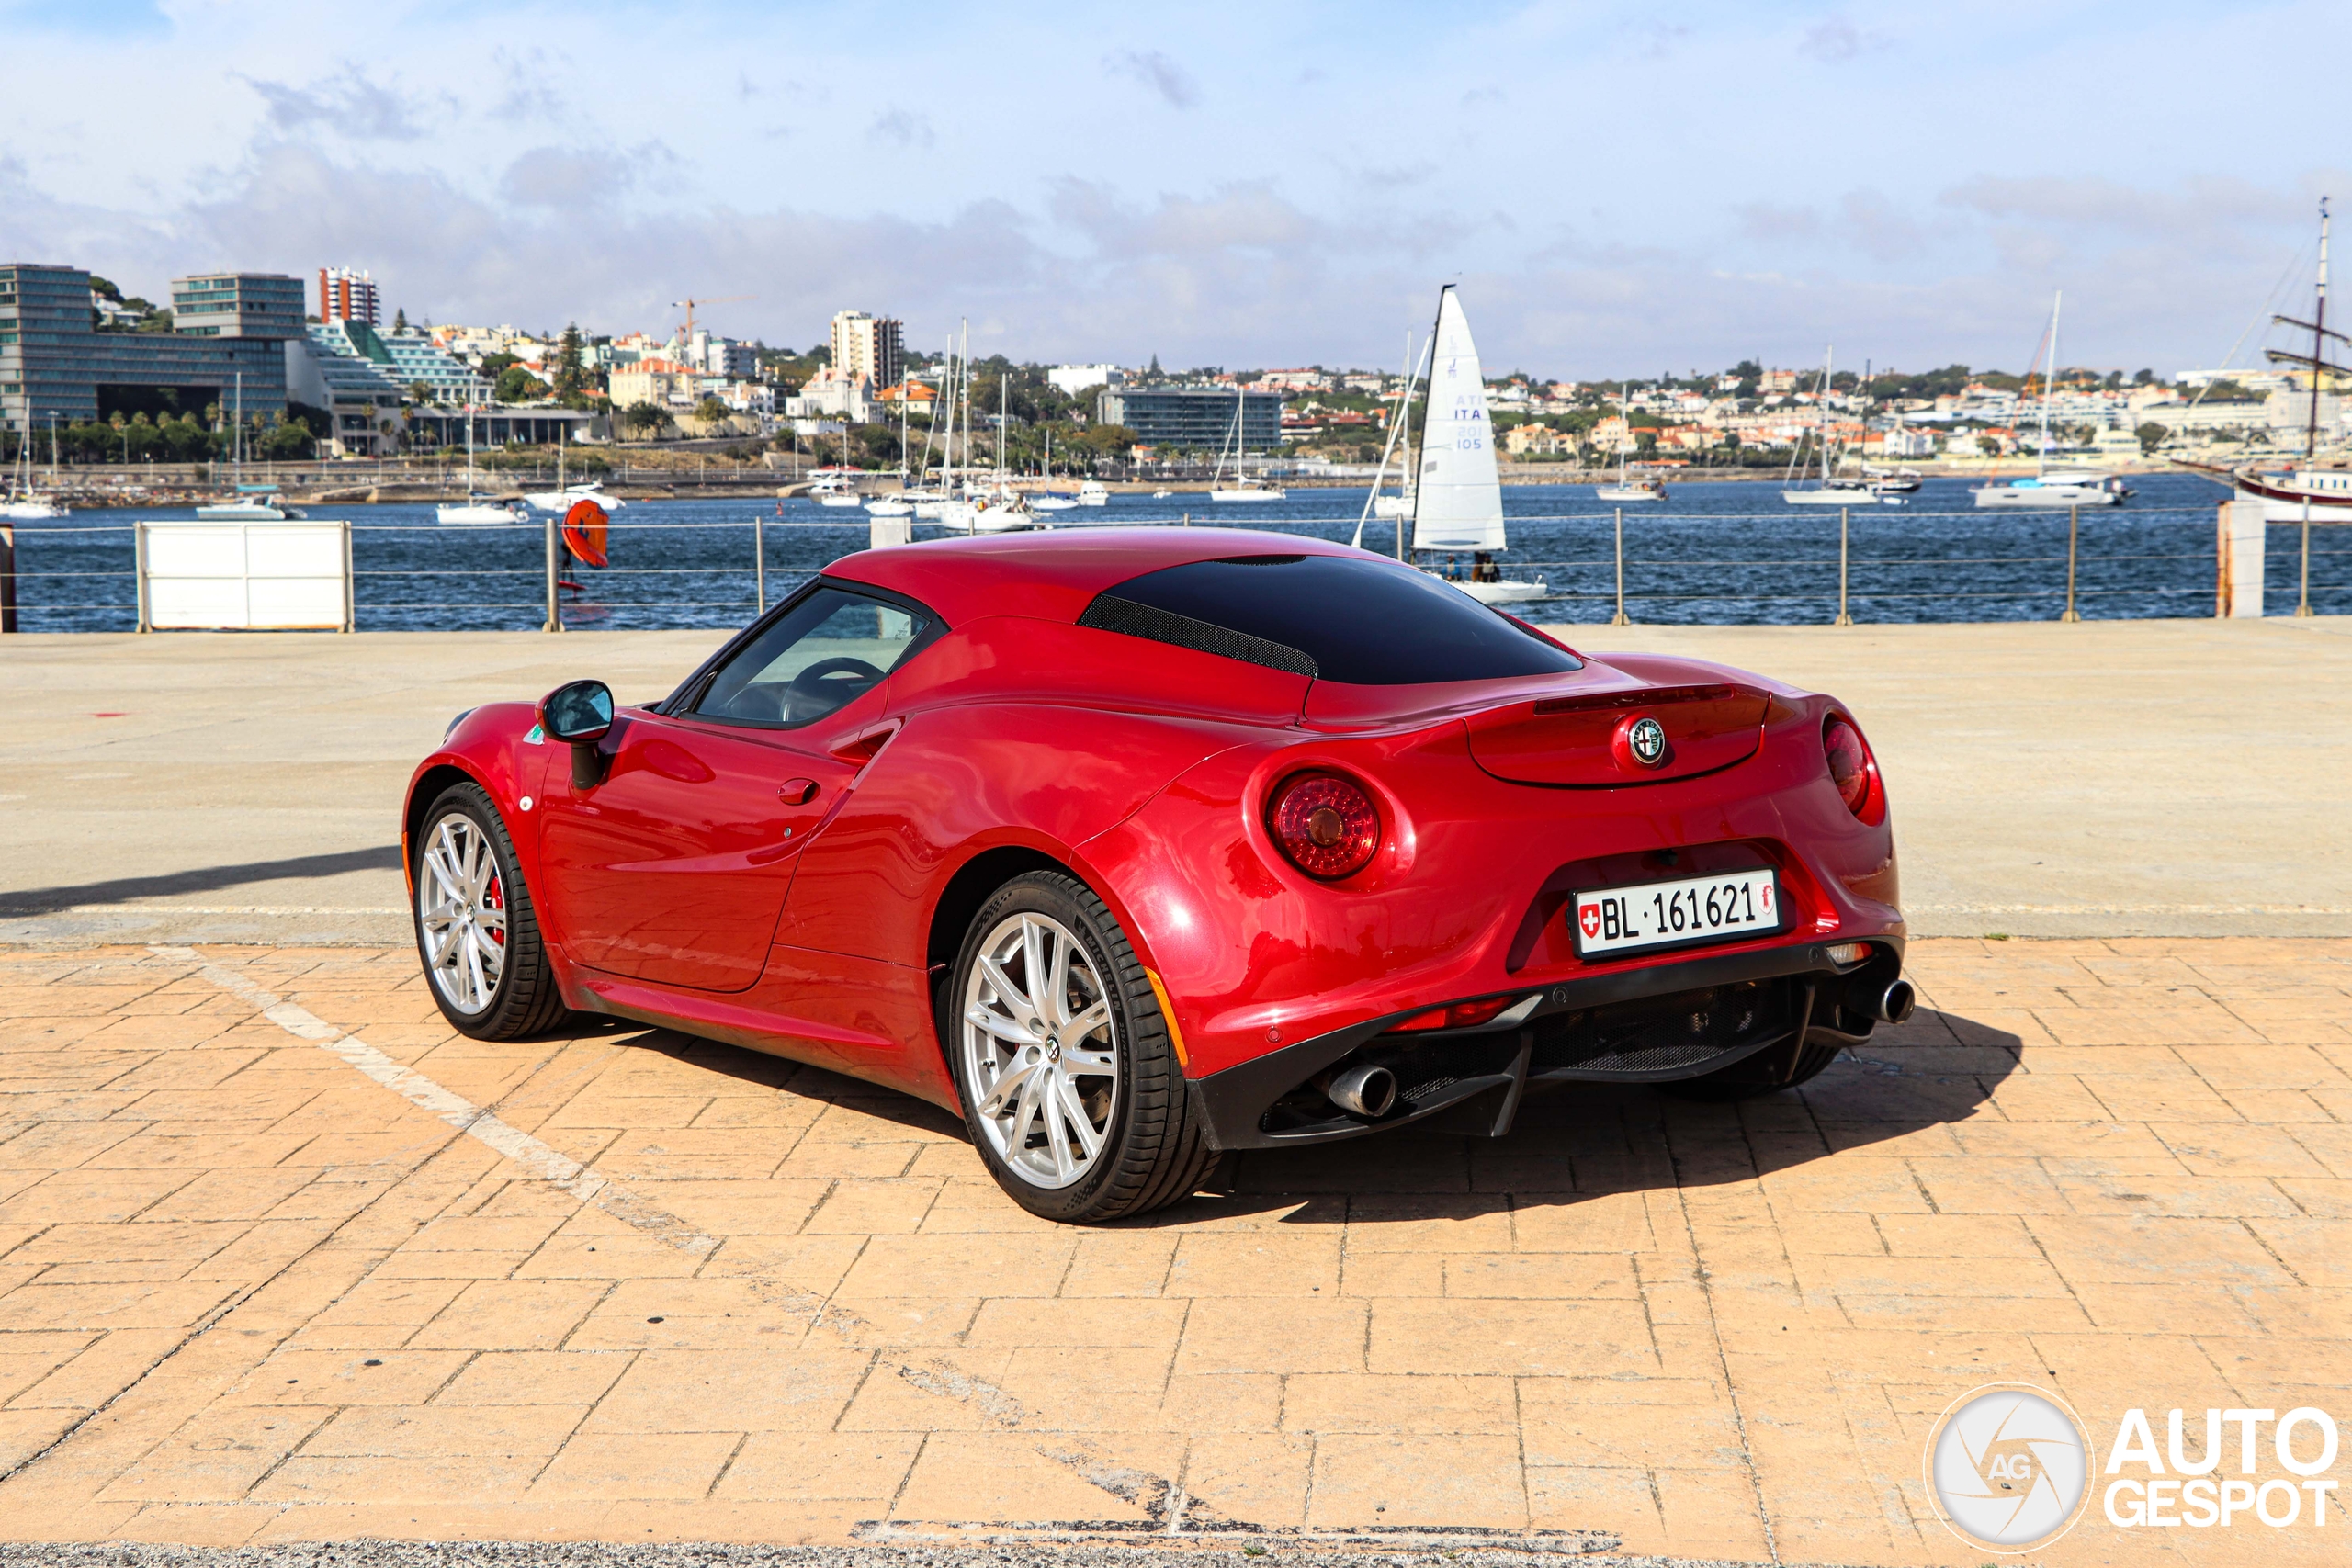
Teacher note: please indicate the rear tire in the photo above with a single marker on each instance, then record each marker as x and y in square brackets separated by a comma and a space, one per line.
[476, 930]
[1766, 1072]
[1045, 1063]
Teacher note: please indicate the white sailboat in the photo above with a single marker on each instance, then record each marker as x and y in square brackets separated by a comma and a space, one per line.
[1628, 487]
[254, 503]
[2046, 490]
[1458, 504]
[476, 510]
[1829, 491]
[1400, 505]
[23, 503]
[1243, 488]
[897, 505]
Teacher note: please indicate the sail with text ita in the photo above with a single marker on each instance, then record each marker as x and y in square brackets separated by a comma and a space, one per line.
[1459, 501]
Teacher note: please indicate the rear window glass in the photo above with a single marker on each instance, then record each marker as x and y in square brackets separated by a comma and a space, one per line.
[1368, 623]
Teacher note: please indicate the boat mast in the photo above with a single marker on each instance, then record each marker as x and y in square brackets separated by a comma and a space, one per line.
[1443, 290]
[1828, 354]
[2320, 332]
[2049, 374]
[1396, 427]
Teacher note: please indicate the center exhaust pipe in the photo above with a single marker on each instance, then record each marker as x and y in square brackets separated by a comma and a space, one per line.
[1365, 1090]
[1895, 1003]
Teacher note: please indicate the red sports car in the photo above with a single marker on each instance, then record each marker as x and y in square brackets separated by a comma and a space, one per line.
[1140, 846]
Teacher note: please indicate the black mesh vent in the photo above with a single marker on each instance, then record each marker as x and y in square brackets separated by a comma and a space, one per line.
[1657, 1033]
[1109, 613]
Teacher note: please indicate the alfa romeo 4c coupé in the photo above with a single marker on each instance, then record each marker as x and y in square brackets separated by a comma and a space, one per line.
[1134, 847]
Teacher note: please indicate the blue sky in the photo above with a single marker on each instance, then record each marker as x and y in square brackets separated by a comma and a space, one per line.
[1618, 188]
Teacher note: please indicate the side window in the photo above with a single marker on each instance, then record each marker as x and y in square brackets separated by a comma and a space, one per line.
[829, 650]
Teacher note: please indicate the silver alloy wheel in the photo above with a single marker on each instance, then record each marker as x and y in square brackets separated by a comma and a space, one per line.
[461, 908]
[1039, 1055]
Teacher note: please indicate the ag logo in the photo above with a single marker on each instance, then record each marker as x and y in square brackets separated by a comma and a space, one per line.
[2008, 1467]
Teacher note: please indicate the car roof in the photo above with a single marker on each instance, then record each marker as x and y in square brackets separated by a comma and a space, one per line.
[1052, 574]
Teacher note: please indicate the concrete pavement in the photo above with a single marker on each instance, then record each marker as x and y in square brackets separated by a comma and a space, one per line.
[283, 1259]
[2111, 778]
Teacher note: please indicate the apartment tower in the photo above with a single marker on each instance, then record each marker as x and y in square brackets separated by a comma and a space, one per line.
[868, 346]
[348, 296]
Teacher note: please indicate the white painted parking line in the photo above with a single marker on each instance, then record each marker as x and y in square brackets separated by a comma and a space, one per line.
[540, 1160]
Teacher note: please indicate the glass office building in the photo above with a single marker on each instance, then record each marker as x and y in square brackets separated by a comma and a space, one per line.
[1198, 417]
[56, 363]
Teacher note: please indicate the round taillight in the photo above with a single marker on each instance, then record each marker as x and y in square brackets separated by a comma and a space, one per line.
[1325, 824]
[1851, 767]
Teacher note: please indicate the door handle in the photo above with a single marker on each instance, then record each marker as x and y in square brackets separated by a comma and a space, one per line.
[796, 791]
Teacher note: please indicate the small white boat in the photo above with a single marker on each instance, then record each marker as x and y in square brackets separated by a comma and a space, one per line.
[23, 503]
[1836, 492]
[841, 498]
[1161, 494]
[563, 500]
[2045, 490]
[1053, 503]
[1628, 487]
[249, 509]
[2043, 494]
[1094, 493]
[1392, 506]
[882, 506]
[1500, 590]
[1243, 489]
[479, 510]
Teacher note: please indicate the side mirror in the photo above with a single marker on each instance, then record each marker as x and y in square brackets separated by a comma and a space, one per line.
[580, 714]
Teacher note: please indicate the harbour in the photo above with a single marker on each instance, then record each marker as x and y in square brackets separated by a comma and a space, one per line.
[1726, 553]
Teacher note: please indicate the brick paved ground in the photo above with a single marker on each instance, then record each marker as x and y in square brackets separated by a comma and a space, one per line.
[249, 1291]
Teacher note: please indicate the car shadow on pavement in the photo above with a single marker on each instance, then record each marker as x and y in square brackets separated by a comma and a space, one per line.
[204, 879]
[1584, 1142]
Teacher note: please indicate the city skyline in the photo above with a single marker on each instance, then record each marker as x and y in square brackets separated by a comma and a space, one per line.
[1616, 194]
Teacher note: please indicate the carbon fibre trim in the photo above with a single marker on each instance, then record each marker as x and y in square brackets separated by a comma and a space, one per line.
[1110, 613]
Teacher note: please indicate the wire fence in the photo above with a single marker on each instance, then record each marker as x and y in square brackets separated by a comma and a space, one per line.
[698, 570]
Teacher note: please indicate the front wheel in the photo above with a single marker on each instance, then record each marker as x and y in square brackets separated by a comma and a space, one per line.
[1070, 1080]
[476, 929]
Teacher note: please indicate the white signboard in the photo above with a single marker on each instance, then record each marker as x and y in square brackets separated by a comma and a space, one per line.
[245, 576]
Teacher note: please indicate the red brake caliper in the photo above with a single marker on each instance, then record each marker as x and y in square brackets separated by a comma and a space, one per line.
[495, 898]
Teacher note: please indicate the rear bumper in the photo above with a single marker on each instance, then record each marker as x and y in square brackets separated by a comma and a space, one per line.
[1755, 1002]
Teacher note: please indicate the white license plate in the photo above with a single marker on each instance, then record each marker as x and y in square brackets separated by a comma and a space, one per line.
[1670, 914]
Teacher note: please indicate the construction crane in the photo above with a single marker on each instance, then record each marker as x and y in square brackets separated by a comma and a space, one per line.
[688, 306]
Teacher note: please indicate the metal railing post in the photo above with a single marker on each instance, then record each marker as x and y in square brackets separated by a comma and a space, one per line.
[1843, 516]
[760, 561]
[2304, 594]
[7, 579]
[555, 602]
[139, 570]
[350, 586]
[2074, 527]
[1621, 620]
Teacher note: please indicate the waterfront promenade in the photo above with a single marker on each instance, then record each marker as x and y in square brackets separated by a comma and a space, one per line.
[2109, 778]
[282, 1259]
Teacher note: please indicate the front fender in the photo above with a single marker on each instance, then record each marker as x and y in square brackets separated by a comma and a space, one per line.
[494, 746]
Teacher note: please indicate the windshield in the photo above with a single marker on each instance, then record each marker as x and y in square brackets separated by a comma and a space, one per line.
[1348, 618]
